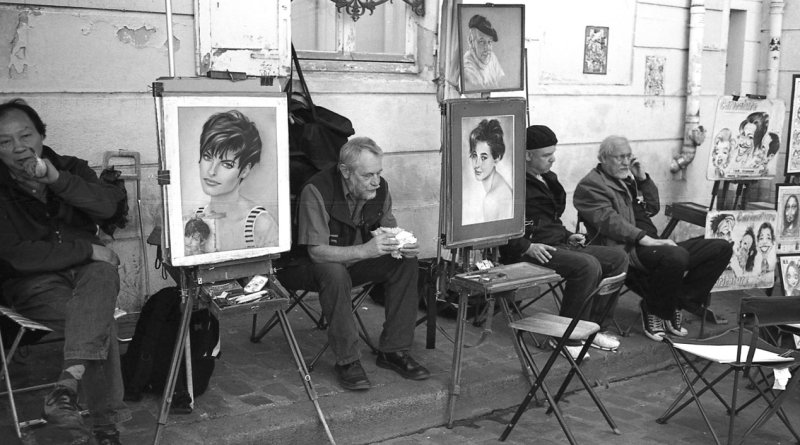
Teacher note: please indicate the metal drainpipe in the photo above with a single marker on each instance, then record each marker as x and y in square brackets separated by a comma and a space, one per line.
[694, 133]
[775, 28]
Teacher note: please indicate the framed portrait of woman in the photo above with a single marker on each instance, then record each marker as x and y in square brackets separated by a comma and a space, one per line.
[793, 142]
[491, 42]
[485, 170]
[787, 203]
[790, 274]
[226, 154]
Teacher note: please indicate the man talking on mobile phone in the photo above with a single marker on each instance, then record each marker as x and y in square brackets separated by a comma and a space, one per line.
[616, 200]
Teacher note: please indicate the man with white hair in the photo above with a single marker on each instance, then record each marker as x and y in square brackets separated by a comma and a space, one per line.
[342, 242]
[617, 209]
[482, 70]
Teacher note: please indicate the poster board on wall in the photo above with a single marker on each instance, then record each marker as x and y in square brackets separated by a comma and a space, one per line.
[745, 139]
[227, 157]
[793, 141]
[484, 170]
[752, 233]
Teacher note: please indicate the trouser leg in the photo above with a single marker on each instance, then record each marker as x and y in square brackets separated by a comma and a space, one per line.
[665, 267]
[80, 303]
[708, 258]
[399, 278]
[333, 283]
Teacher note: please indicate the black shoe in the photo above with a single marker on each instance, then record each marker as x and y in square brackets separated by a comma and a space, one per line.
[352, 376]
[107, 437]
[61, 408]
[403, 364]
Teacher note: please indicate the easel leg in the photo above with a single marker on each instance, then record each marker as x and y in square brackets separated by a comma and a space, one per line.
[301, 368]
[180, 343]
[458, 346]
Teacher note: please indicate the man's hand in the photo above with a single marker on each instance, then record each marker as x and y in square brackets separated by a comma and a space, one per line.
[638, 170]
[381, 244]
[540, 251]
[103, 253]
[577, 239]
[648, 241]
[410, 250]
[50, 177]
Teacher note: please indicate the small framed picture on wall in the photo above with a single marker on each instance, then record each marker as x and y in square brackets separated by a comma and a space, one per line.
[595, 50]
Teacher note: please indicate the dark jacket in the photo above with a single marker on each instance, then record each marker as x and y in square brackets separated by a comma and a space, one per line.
[544, 206]
[343, 231]
[606, 206]
[38, 237]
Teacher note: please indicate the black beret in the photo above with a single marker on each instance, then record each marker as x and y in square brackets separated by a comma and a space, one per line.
[483, 25]
[540, 136]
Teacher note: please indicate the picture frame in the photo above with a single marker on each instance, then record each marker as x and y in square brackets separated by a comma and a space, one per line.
[787, 228]
[595, 50]
[752, 233]
[491, 42]
[792, 166]
[486, 197]
[789, 266]
[226, 156]
[745, 139]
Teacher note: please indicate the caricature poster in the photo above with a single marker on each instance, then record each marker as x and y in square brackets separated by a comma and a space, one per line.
[745, 139]
[752, 233]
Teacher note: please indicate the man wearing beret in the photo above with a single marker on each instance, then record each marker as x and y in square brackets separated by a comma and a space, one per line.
[482, 71]
[548, 243]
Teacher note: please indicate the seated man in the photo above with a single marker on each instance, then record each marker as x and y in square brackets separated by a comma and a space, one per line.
[62, 276]
[617, 210]
[338, 246]
[548, 243]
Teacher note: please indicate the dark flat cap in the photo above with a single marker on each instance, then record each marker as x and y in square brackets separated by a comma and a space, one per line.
[540, 136]
[483, 25]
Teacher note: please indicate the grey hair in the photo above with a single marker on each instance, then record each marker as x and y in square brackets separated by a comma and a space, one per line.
[353, 148]
[609, 144]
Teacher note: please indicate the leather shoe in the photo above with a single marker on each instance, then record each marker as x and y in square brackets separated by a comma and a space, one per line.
[352, 376]
[403, 364]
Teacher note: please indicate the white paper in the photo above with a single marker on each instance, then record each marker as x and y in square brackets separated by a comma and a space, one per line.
[782, 376]
[727, 353]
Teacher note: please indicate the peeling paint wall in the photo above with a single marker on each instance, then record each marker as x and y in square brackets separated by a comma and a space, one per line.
[87, 66]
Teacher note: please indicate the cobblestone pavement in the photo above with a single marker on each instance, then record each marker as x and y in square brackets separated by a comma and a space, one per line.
[634, 404]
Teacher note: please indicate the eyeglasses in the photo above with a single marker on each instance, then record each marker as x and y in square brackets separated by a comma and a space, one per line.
[620, 158]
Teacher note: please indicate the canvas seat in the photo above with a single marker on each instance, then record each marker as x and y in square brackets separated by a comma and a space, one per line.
[741, 351]
[563, 329]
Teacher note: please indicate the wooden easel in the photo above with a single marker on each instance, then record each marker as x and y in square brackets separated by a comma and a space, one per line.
[190, 279]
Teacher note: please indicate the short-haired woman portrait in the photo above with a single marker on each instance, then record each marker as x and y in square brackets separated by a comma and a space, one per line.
[494, 200]
[230, 147]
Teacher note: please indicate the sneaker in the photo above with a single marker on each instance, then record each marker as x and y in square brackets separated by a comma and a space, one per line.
[675, 326]
[572, 346]
[605, 341]
[352, 376]
[652, 325]
[107, 436]
[61, 408]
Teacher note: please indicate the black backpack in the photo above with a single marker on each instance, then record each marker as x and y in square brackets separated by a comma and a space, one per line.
[145, 364]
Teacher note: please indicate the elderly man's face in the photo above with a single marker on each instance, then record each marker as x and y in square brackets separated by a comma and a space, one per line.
[617, 162]
[480, 44]
[363, 178]
[19, 140]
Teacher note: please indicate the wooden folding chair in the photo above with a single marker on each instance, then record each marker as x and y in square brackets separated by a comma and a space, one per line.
[742, 351]
[360, 293]
[563, 328]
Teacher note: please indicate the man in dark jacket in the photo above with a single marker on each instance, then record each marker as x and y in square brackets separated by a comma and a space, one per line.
[617, 209]
[548, 243]
[61, 274]
[342, 241]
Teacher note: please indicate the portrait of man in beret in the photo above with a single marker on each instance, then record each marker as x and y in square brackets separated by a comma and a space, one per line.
[482, 70]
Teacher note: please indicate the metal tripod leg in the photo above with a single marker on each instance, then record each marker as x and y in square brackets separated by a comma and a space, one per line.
[177, 354]
[458, 346]
[301, 368]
